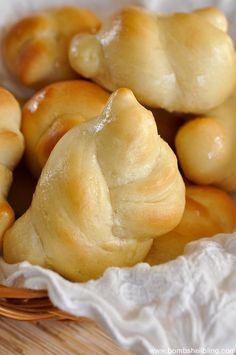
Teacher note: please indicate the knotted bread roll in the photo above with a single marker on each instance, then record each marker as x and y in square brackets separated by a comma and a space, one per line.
[108, 188]
[208, 211]
[181, 62]
[206, 147]
[36, 47]
[11, 150]
[51, 112]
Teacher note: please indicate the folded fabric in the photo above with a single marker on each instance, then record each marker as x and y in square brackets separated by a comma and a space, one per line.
[187, 303]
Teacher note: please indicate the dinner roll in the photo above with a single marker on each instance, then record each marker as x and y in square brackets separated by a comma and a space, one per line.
[109, 187]
[51, 112]
[208, 211]
[11, 150]
[206, 147]
[36, 47]
[182, 62]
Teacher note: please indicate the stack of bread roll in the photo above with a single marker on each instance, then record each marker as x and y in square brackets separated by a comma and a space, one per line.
[127, 142]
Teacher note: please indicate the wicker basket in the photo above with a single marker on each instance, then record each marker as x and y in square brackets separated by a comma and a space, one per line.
[29, 305]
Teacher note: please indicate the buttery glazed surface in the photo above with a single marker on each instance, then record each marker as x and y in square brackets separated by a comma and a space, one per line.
[206, 147]
[11, 150]
[181, 62]
[36, 47]
[109, 187]
[52, 111]
[208, 211]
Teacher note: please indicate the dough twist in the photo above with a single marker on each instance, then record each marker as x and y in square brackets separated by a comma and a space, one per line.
[11, 150]
[182, 62]
[52, 111]
[36, 47]
[208, 211]
[109, 187]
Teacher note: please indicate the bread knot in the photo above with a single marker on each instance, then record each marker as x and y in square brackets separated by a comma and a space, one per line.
[36, 47]
[11, 150]
[109, 187]
[181, 62]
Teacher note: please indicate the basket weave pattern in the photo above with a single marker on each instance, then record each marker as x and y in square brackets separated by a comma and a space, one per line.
[29, 305]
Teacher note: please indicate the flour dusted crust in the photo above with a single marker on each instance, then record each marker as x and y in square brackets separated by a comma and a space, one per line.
[205, 147]
[52, 111]
[11, 150]
[208, 211]
[182, 62]
[109, 187]
[36, 47]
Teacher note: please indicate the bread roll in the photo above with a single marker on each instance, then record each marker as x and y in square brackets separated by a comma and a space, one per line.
[181, 62]
[11, 150]
[208, 211]
[51, 112]
[109, 187]
[206, 147]
[36, 47]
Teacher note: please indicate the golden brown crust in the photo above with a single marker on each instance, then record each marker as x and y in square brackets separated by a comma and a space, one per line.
[11, 139]
[109, 186]
[35, 48]
[208, 211]
[11, 150]
[7, 218]
[181, 62]
[51, 112]
[206, 147]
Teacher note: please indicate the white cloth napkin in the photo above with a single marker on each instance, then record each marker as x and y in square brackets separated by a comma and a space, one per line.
[189, 303]
[186, 306]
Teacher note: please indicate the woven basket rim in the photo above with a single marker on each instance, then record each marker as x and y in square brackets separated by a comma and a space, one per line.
[28, 305]
[15, 292]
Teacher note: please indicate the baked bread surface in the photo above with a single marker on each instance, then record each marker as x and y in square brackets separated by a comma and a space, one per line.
[11, 150]
[182, 62]
[36, 47]
[206, 147]
[208, 211]
[109, 187]
[52, 111]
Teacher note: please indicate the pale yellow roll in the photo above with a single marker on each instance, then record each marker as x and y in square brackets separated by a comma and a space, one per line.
[109, 187]
[182, 62]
